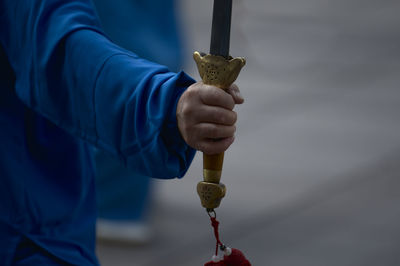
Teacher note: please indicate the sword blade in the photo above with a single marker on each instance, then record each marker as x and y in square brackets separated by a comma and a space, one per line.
[221, 28]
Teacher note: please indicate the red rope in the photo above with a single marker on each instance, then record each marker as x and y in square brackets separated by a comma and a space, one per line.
[235, 258]
[215, 224]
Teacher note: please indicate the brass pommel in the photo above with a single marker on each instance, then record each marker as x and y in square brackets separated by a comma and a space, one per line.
[210, 194]
[211, 191]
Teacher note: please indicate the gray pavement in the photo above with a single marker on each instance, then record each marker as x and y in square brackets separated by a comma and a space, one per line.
[314, 175]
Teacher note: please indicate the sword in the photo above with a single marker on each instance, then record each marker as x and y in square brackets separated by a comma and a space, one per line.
[219, 69]
[221, 28]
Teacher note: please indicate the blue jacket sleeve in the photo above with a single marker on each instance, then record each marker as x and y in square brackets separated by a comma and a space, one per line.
[70, 73]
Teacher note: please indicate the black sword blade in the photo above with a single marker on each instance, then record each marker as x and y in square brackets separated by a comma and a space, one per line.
[221, 28]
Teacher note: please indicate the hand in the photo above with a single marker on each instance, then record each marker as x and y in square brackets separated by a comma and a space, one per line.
[205, 117]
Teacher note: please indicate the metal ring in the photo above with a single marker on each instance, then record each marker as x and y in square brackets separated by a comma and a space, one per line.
[211, 213]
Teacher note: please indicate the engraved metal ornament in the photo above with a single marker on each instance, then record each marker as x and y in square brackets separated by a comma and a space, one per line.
[210, 194]
[217, 71]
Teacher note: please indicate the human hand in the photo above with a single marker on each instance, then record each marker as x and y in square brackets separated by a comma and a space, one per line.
[206, 119]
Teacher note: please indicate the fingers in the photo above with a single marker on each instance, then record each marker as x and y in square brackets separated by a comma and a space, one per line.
[214, 96]
[211, 95]
[212, 138]
[205, 117]
[234, 91]
[214, 131]
[213, 114]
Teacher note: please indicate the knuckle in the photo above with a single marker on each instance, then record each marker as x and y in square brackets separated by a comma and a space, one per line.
[193, 93]
[190, 92]
[187, 111]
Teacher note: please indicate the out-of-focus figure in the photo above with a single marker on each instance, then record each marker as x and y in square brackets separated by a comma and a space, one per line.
[150, 29]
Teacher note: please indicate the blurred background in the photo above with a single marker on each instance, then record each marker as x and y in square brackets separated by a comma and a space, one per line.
[314, 175]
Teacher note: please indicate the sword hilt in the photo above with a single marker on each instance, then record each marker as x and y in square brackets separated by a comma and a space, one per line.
[220, 72]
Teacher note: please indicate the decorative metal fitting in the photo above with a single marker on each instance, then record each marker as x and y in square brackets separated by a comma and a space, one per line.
[210, 194]
[217, 71]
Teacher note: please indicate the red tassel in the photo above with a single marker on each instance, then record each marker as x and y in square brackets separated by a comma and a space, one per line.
[235, 258]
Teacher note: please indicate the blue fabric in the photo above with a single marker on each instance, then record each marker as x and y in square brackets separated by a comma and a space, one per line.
[123, 194]
[157, 40]
[62, 85]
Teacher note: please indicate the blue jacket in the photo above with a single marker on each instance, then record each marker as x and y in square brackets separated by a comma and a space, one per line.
[123, 21]
[63, 85]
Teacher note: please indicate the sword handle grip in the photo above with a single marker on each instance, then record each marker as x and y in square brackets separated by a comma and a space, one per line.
[212, 167]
